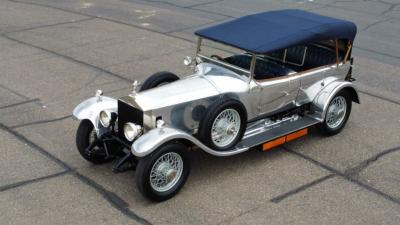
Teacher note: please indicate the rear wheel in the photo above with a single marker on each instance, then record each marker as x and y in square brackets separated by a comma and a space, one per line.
[162, 174]
[159, 79]
[86, 136]
[337, 114]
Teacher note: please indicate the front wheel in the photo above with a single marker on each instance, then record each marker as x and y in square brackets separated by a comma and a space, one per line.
[161, 175]
[337, 114]
[86, 136]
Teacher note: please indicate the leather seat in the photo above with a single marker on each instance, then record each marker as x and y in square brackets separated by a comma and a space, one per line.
[269, 69]
[242, 61]
[315, 57]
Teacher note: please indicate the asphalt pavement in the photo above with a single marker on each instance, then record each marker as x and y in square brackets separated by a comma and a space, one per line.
[54, 54]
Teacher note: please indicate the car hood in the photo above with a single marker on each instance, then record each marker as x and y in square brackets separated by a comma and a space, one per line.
[185, 90]
[209, 80]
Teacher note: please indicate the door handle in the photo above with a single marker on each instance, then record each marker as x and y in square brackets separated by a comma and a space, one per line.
[256, 89]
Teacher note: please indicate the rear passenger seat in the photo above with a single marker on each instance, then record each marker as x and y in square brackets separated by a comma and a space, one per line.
[315, 57]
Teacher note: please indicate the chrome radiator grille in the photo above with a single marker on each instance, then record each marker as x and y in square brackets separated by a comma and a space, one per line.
[128, 113]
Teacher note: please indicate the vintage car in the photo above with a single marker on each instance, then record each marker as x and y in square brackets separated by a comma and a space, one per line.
[258, 81]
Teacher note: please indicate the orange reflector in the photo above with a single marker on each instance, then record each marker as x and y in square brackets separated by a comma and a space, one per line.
[296, 134]
[282, 140]
[271, 144]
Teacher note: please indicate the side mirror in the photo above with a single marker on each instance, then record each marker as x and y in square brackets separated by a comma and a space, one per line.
[187, 61]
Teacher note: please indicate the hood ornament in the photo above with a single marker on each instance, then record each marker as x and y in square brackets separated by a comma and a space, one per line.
[134, 88]
[98, 95]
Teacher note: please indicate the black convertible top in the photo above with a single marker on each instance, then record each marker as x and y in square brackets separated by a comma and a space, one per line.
[268, 31]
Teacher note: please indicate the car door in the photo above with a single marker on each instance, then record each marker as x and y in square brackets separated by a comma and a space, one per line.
[311, 83]
[277, 94]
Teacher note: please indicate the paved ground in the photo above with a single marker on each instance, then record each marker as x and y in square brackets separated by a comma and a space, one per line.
[53, 54]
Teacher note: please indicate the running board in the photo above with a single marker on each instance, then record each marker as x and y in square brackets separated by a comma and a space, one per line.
[257, 133]
[266, 130]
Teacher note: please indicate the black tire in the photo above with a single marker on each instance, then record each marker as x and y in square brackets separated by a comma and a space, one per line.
[158, 79]
[328, 131]
[83, 133]
[145, 165]
[211, 114]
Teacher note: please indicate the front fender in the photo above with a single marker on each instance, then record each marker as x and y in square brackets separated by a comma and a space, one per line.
[91, 108]
[153, 139]
[324, 97]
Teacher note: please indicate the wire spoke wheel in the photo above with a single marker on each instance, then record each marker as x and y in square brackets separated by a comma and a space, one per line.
[160, 176]
[336, 112]
[225, 127]
[166, 172]
[223, 124]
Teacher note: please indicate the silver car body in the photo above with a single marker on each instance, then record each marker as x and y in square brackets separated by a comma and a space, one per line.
[317, 87]
[182, 104]
[179, 100]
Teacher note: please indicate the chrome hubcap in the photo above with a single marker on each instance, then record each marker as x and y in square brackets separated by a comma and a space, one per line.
[166, 172]
[336, 112]
[225, 127]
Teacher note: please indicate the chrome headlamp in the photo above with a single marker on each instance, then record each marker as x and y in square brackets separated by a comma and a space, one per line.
[131, 131]
[105, 118]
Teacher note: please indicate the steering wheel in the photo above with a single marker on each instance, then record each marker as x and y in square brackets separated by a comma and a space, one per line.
[218, 58]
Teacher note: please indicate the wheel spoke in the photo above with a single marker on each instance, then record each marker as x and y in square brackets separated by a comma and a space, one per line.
[167, 164]
[336, 112]
[225, 127]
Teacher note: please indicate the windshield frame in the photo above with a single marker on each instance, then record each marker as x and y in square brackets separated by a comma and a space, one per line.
[248, 73]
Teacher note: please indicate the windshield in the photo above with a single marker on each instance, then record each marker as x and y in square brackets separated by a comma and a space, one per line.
[225, 56]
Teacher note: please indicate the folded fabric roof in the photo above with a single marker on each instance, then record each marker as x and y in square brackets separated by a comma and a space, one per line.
[268, 31]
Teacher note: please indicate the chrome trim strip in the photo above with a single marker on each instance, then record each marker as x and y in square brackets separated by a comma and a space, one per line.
[253, 64]
[304, 56]
[284, 56]
[199, 45]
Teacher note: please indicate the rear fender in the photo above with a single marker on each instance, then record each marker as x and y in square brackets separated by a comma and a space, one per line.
[324, 97]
